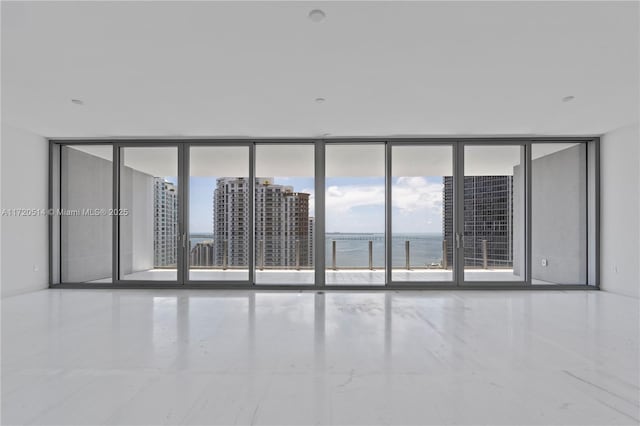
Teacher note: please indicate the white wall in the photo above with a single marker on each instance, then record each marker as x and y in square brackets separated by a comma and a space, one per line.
[136, 228]
[620, 208]
[558, 215]
[86, 241]
[24, 177]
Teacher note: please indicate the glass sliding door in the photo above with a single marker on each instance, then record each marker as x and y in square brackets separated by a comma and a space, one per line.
[284, 214]
[219, 231]
[559, 213]
[475, 213]
[493, 198]
[422, 190]
[86, 194]
[355, 214]
[148, 228]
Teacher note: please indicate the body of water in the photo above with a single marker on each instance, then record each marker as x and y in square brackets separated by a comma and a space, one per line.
[352, 250]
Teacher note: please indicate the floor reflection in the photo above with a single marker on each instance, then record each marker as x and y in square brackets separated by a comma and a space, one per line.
[321, 357]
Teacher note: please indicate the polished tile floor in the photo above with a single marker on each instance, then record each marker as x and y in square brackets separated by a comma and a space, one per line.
[151, 357]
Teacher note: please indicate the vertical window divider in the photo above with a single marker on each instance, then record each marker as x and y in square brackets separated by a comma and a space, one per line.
[54, 220]
[458, 209]
[319, 220]
[595, 239]
[59, 220]
[52, 256]
[528, 259]
[388, 211]
[115, 228]
[252, 226]
[183, 213]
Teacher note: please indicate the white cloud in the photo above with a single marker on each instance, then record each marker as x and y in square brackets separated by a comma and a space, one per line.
[409, 195]
[345, 198]
[416, 193]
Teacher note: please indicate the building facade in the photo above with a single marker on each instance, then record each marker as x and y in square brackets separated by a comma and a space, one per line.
[165, 227]
[283, 230]
[311, 240]
[488, 221]
[201, 254]
[231, 222]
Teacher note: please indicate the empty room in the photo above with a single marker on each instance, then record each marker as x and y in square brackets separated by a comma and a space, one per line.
[320, 213]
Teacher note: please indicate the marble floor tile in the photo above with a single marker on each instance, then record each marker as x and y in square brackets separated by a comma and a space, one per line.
[195, 357]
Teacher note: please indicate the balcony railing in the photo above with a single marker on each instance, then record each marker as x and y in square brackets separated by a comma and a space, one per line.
[343, 252]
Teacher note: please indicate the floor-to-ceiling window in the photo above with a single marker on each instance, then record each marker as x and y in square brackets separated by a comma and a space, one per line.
[149, 233]
[284, 213]
[355, 214]
[559, 213]
[219, 229]
[422, 213]
[493, 228]
[243, 213]
[86, 201]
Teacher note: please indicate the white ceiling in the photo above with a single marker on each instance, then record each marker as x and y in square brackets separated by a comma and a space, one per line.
[171, 69]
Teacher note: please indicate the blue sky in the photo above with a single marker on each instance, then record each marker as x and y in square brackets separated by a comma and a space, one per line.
[354, 204]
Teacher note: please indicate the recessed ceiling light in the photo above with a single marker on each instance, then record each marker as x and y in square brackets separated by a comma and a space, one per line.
[317, 15]
[568, 98]
[320, 100]
[77, 101]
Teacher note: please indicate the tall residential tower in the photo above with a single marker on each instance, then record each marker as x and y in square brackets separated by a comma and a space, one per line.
[283, 231]
[165, 226]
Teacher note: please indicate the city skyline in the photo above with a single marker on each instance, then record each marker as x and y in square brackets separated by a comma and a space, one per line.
[357, 202]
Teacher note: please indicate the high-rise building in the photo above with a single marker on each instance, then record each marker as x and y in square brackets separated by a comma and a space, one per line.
[201, 254]
[283, 233]
[165, 227]
[231, 221]
[311, 239]
[488, 216]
